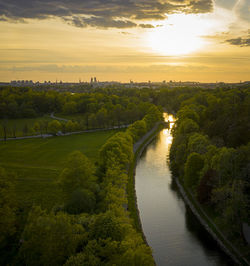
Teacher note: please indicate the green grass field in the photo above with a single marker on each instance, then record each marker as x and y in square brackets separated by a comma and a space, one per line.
[38, 163]
[20, 123]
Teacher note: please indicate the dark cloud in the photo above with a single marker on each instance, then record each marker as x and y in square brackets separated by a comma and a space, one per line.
[100, 13]
[101, 22]
[242, 42]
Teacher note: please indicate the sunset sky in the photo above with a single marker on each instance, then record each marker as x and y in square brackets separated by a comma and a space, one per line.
[187, 40]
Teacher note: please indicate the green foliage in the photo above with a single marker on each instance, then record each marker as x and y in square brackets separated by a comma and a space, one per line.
[187, 126]
[188, 113]
[178, 155]
[198, 143]
[137, 129]
[118, 149]
[70, 108]
[86, 259]
[137, 257]
[78, 174]
[193, 166]
[231, 202]
[54, 126]
[49, 239]
[55, 239]
[36, 127]
[211, 138]
[106, 225]
[70, 126]
[81, 200]
[153, 115]
[224, 162]
[7, 207]
[204, 189]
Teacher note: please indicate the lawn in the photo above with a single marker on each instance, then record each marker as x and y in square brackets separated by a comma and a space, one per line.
[23, 126]
[38, 163]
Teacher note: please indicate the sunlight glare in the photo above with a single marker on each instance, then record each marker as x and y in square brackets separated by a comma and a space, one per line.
[180, 34]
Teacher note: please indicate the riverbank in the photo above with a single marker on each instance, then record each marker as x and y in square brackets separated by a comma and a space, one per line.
[211, 228]
[139, 147]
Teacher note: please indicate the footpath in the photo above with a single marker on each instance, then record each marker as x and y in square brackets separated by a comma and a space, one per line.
[64, 134]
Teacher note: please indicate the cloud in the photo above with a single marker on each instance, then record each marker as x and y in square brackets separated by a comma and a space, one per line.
[243, 9]
[229, 4]
[100, 22]
[242, 42]
[100, 13]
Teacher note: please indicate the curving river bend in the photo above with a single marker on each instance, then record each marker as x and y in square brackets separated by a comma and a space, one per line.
[171, 230]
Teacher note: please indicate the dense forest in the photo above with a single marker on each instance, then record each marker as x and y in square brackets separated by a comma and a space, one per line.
[102, 108]
[211, 155]
[92, 226]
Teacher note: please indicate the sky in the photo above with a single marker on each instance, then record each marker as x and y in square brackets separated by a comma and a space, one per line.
[119, 40]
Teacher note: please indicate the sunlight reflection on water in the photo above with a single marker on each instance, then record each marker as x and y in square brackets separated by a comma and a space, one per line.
[171, 230]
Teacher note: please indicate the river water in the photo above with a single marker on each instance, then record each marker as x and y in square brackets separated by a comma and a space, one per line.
[171, 230]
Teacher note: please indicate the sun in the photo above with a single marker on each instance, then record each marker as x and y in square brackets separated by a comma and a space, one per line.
[179, 35]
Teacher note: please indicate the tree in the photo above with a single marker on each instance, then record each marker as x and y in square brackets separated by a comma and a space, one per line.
[83, 258]
[137, 257]
[54, 126]
[193, 166]
[70, 126]
[231, 202]
[118, 149]
[36, 127]
[70, 107]
[106, 225]
[5, 129]
[101, 117]
[7, 207]
[25, 129]
[187, 126]
[78, 174]
[187, 113]
[14, 130]
[81, 200]
[224, 162]
[137, 129]
[204, 189]
[198, 143]
[49, 239]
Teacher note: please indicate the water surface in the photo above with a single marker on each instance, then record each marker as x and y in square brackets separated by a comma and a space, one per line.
[172, 231]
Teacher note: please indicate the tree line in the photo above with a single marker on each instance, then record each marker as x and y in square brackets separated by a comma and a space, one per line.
[90, 110]
[211, 154]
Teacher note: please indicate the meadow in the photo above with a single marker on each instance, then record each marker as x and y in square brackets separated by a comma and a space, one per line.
[37, 163]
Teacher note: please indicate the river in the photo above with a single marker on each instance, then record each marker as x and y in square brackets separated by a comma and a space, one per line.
[170, 228]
